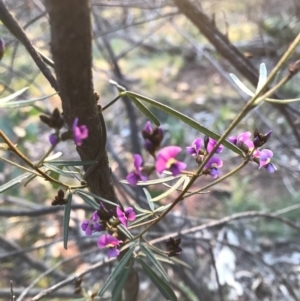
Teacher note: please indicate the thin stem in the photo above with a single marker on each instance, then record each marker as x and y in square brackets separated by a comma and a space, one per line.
[219, 179]
[33, 166]
[19, 166]
[46, 155]
[113, 101]
[233, 124]
[144, 223]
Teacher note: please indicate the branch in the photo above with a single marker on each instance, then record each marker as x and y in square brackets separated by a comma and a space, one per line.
[71, 43]
[13, 26]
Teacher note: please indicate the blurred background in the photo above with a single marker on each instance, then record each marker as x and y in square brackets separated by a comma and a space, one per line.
[153, 48]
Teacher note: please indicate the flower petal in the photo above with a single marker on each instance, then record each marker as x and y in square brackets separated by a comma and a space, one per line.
[133, 178]
[137, 161]
[112, 252]
[169, 152]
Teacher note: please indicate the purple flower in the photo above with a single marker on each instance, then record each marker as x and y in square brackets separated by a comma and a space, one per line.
[110, 242]
[136, 175]
[211, 144]
[166, 160]
[213, 165]
[54, 139]
[80, 132]
[127, 215]
[195, 147]
[265, 156]
[240, 138]
[91, 225]
[260, 139]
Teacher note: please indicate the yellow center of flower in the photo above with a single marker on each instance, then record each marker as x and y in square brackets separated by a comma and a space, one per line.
[170, 162]
[110, 246]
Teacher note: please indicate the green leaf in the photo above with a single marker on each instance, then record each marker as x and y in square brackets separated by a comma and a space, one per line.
[120, 281]
[14, 181]
[241, 85]
[70, 163]
[153, 182]
[191, 122]
[154, 261]
[23, 103]
[116, 272]
[88, 200]
[12, 96]
[137, 220]
[140, 209]
[97, 197]
[149, 199]
[125, 231]
[145, 110]
[163, 286]
[171, 190]
[55, 176]
[53, 156]
[263, 75]
[68, 174]
[67, 219]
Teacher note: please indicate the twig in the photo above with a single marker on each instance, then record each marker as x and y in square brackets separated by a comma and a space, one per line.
[12, 295]
[213, 261]
[70, 279]
[41, 276]
[13, 26]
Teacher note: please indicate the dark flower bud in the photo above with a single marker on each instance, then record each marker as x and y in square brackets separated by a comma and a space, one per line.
[260, 139]
[2, 48]
[294, 68]
[54, 121]
[173, 246]
[104, 214]
[206, 141]
[152, 137]
[243, 146]
[59, 199]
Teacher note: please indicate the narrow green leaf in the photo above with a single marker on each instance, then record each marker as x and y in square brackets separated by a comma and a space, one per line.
[191, 122]
[171, 190]
[88, 200]
[154, 261]
[140, 209]
[138, 220]
[125, 231]
[23, 103]
[116, 272]
[53, 156]
[162, 208]
[145, 110]
[12, 96]
[149, 198]
[263, 74]
[118, 86]
[163, 286]
[67, 219]
[153, 182]
[14, 181]
[241, 85]
[70, 163]
[97, 197]
[68, 174]
[32, 177]
[55, 176]
[281, 101]
[120, 281]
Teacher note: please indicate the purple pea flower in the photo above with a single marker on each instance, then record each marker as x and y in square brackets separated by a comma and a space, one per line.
[91, 225]
[166, 160]
[80, 132]
[136, 175]
[54, 139]
[213, 165]
[195, 147]
[244, 137]
[110, 242]
[127, 215]
[211, 144]
[265, 156]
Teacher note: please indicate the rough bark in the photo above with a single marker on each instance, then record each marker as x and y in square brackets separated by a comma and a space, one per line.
[71, 42]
